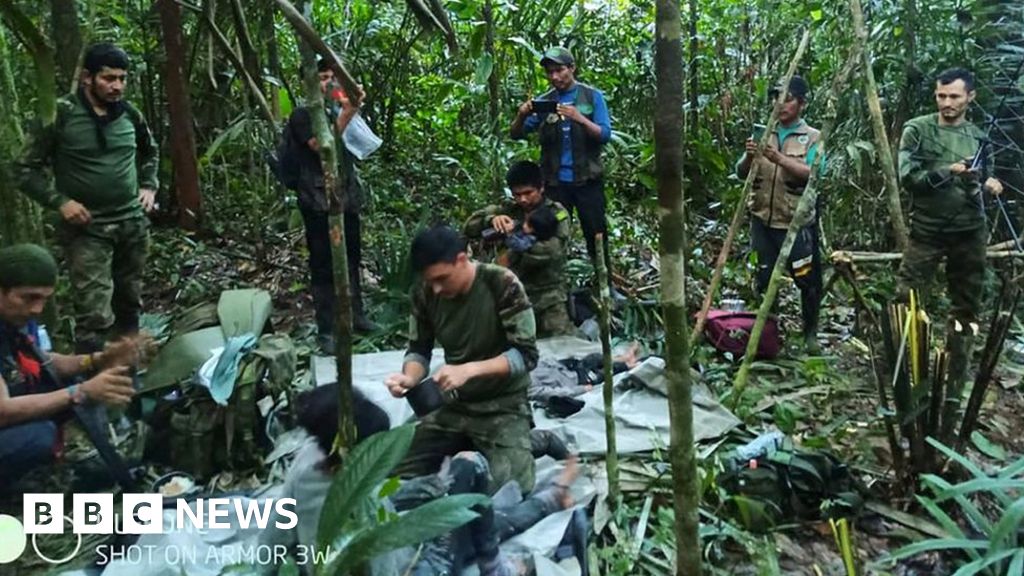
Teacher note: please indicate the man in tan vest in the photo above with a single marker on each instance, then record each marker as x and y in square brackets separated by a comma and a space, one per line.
[780, 176]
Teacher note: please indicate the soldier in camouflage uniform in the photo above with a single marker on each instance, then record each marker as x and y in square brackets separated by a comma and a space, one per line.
[104, 163]
[541, 268]
[943, 169]
[481, 317]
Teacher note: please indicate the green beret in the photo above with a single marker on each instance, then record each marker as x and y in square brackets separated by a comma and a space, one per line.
[27, 265]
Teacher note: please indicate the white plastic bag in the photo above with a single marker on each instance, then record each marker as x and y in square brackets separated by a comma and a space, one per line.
[359, 139]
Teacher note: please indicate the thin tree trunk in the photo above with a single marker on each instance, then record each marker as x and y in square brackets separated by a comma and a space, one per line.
[346, 438]
[307, 33]
[698, 196]
[668, 166]
[42, 56]
[604, 316]
[741, 206]
[67, 37]
[884, 151]
[250, 57]
[179, 109]
[493, 96]
[800, 219]
[236, 61]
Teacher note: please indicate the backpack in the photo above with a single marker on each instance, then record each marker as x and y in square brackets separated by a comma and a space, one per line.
[729, 331]
[788, 483]
[284, 159]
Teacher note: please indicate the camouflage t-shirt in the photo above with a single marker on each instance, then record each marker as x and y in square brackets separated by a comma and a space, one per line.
[494, 318]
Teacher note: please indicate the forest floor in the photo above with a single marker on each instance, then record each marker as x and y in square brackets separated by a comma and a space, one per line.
[826, 401]
[823, 401]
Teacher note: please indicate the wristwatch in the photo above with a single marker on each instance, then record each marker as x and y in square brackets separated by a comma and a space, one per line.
[76, 395]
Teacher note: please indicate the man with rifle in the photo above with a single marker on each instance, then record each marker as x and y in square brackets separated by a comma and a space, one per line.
[39, 390]
[944, 171]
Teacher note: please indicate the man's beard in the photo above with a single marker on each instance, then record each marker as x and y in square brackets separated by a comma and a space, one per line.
[104, 100]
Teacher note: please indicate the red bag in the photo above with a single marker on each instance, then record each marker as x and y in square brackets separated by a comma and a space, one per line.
[730, 331]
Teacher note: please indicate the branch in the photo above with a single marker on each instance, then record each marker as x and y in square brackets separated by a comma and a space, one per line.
[307, 33]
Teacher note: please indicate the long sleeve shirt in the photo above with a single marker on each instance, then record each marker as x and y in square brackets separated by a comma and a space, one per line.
[104, 176]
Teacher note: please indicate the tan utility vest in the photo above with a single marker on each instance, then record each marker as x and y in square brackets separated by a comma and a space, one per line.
[776, 194]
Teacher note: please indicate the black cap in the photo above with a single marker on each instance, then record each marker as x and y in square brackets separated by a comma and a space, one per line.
[557, 55]
[797, 87]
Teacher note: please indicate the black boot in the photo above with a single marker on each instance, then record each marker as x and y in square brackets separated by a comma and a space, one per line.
[323, 313]
[360, 323]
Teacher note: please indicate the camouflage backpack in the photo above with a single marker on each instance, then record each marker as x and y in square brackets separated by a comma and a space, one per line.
[787, 483]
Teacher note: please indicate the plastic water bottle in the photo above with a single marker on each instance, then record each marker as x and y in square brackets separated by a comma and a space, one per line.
[44, 339]
[760, 446]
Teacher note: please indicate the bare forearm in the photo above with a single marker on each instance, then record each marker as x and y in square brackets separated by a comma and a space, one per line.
[32, 407]
[743, 168]
[68, 366]
[491, 368]
[518, 130]
[414, 370]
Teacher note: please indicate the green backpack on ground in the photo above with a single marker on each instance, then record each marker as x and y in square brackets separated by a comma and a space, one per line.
[786, 483]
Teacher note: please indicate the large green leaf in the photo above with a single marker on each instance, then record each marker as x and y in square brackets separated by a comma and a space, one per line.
[981, 564]
[484, 66]
[1004, 535]
[933, 544]
[429, 521]
[363, 470]
[993, 486]
[180, 358]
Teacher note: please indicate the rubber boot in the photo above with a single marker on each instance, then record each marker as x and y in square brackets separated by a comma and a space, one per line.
[323, 313]
[360, 323]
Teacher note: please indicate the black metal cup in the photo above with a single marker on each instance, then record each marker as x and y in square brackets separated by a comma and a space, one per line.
[425, 397]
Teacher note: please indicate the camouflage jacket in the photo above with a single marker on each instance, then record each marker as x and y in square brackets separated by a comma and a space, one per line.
[541, 269]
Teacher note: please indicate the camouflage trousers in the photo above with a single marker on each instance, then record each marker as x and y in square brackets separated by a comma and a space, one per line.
[964, 253]
[105, 264]
[503, 439]
[549, 309]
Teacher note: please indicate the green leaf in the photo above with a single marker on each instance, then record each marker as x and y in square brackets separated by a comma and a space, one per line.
[363, 470]
[934, 544]
[816, 15]
[994, 486]
[982, 563]
[1004, 535]
[484, 66]
[429, 521]
[1016, 565]
[987, 448]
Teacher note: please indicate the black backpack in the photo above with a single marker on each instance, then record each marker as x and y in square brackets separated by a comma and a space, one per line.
[284, 160]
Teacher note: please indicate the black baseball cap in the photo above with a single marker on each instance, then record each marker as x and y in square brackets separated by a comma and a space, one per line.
[797, 87]
[557, 55]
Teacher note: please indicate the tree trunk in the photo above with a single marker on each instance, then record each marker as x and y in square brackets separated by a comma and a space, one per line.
[67, 37]
[698, 196]
[250, 58]
[668, 166]
[493, 96]
[800, 219]
[179, 109]
[884, 152]
[42, 57]
[346, 438]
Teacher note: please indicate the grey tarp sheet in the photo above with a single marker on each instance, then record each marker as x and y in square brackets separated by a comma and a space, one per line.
[643, 424]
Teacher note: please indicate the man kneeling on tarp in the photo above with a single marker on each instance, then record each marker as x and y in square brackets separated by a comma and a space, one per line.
[480, 315]
[38, 390]
[311, 473]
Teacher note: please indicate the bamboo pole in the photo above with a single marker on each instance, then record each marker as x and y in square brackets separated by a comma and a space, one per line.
[604, 319]
[884, 151]
[882, 257]
[741, 206]
[800, 219]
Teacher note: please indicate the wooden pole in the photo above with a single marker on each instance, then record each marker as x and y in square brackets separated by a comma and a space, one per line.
[604, 318]
[885, 157]
[800, 219]
[741, 206]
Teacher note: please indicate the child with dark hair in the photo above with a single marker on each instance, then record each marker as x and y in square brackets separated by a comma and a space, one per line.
[311, 473]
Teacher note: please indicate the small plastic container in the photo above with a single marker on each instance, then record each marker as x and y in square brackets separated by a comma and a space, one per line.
[360, 139]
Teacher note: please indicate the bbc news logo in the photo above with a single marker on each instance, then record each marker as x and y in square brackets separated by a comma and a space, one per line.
[138, 514]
